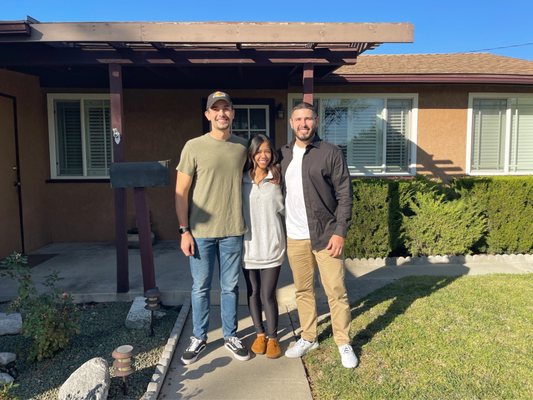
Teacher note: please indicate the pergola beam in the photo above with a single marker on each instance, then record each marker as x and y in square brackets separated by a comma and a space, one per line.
[18, 56]
[217, 32]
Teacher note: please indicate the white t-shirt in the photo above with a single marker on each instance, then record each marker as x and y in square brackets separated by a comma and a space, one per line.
[296, 216]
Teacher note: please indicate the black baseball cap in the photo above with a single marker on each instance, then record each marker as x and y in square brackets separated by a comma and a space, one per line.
[216, 96]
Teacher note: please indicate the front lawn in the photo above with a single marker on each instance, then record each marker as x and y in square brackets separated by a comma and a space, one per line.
[434, 338]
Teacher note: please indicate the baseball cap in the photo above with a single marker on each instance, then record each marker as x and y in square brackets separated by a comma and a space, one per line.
[216, 96]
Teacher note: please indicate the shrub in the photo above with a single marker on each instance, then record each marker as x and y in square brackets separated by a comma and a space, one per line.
[507, 203]
[442, 227]
[50, 319]
[369, 235]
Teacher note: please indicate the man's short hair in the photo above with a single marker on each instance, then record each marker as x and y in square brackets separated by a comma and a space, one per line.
[305, 106]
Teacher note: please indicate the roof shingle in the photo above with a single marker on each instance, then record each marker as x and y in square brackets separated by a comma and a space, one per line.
[452, 63]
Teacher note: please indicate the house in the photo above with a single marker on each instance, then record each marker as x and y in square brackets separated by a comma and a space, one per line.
[66, 87]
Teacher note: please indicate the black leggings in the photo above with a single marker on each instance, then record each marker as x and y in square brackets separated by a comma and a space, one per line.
[261, 285]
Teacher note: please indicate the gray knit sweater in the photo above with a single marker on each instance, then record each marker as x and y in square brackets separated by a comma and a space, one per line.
[263, 208]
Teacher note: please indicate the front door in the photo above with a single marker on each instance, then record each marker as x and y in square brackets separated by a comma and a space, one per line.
[10, 225]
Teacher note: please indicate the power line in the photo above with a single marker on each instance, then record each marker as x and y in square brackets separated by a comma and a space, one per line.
[501, 47]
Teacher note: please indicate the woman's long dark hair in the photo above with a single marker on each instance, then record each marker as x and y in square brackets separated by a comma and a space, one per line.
[253, 147]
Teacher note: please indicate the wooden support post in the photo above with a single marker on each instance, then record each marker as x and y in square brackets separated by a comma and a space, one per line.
[145, 238]
[121, 235]
[308, 80]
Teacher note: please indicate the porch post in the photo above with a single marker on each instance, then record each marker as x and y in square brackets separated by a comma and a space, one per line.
[121, 236]
[308, 78]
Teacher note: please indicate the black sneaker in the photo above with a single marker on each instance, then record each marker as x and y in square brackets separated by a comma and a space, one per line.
[234, 345]
[191, 353]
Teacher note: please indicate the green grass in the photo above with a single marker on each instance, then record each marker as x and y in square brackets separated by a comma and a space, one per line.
[434, 338]
[102, 330]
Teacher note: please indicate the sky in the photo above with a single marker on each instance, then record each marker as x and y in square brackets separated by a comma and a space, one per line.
[498, 27]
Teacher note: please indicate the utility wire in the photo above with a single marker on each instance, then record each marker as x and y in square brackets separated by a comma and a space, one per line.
[501, 47]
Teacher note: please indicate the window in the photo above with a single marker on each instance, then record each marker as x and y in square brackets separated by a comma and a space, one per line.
[80, 135]
[250, 120]
[500, 139]
[376, 133]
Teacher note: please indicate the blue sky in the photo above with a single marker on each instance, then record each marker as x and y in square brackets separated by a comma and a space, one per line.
[450, 26]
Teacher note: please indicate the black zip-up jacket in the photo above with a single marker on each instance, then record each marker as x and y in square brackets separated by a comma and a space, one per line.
[327, 189]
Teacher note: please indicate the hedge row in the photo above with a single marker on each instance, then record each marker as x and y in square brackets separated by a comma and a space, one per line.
[422, 217]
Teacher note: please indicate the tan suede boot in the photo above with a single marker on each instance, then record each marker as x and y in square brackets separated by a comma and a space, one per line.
[259, 345]
[273, 350]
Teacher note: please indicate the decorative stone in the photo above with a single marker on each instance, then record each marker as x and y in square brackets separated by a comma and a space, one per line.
[10, 324]
[90, 381]
[6, 379]
[138, 317]
[6, 358]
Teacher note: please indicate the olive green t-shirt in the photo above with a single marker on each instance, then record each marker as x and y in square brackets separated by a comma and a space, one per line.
[215, 200]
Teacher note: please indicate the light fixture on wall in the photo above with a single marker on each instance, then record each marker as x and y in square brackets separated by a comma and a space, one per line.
[280, 113]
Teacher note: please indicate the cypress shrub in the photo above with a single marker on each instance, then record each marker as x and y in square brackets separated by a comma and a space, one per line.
[369, 234]
[441, 227]
[508, 205]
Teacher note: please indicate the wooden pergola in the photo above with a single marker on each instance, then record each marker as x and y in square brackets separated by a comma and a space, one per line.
[182, 54]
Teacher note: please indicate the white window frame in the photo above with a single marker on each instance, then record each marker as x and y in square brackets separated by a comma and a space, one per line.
[52, 132]
[470, 132]
[413, 138]
[264, 107]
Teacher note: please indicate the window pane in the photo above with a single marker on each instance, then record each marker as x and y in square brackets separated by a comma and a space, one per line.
[355, 126]
[69, 149]
[335, 124]
[488, 142]
[257, 118]
[241, 119]
[98, 137]
[521, 157]
[398, 144]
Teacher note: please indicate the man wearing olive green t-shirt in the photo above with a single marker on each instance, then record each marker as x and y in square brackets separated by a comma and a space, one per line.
[209, 210]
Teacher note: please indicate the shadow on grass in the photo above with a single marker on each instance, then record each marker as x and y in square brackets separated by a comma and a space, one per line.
[402, 293]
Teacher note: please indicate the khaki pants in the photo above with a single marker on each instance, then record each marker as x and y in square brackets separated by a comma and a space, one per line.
[303, 261]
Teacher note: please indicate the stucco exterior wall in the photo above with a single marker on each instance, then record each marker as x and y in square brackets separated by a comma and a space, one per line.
[33, 153]
[157, 123]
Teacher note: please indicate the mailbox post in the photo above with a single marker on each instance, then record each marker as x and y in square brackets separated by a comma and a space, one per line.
[139, 176]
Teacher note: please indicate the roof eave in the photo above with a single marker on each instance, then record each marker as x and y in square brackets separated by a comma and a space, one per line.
[516, 79]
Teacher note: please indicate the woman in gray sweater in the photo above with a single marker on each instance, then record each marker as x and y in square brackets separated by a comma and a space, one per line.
[264, 241]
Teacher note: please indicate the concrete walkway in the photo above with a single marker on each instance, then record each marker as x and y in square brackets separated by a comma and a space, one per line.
[88, 272]
[217, 375]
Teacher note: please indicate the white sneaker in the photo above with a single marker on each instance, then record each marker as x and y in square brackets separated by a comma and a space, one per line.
[301, 347]
[348, 357]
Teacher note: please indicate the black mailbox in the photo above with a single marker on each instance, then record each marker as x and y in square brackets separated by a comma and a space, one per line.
[139, 174]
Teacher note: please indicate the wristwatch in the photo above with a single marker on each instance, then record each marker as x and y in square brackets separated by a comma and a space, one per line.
[184, 229]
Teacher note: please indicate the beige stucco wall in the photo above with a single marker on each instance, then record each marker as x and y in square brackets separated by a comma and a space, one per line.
[157, 123]
[33, 145]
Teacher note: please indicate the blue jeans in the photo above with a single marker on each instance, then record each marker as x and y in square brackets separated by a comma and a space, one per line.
[228, 252]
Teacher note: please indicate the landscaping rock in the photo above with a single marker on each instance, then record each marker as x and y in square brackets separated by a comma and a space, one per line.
[6, 379]
[6, 358]
[138, 317]
[10, 324]
[90, 381]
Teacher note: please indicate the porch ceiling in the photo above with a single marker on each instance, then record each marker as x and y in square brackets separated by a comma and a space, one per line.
[151, 53]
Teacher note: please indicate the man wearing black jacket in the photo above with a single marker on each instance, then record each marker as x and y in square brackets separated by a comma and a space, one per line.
[318, 204]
